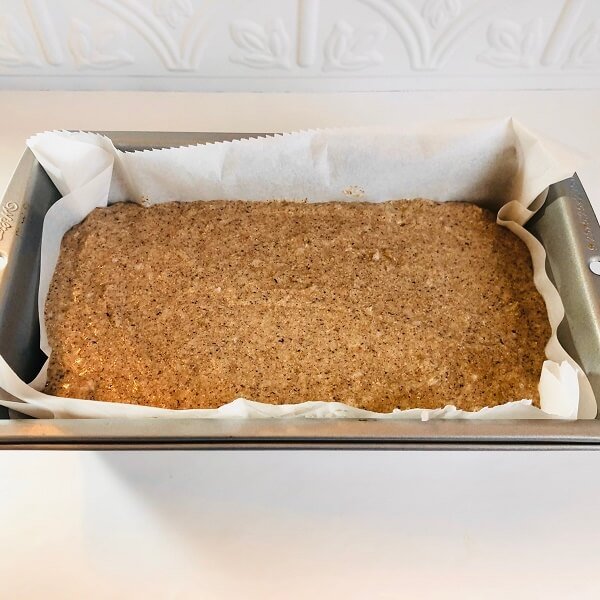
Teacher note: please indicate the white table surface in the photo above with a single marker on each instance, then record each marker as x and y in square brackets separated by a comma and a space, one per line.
[297, 524]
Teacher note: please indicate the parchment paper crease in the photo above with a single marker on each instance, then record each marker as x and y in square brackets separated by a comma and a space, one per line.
[497, 164]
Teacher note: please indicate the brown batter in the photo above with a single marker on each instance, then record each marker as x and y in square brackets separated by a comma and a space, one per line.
[396, 305]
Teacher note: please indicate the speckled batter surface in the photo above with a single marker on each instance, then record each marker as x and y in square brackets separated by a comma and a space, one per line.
[190, 305]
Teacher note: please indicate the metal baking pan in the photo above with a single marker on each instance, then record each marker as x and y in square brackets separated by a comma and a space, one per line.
[566, 226]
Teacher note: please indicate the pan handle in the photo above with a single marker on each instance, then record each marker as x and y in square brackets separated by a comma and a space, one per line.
[13, 210]
[568, 228]
[586, 233]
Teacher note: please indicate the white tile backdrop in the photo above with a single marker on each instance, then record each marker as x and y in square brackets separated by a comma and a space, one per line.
[317, 45]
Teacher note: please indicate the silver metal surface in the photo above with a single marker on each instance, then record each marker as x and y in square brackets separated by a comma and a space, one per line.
[302, 434]
[28, 197]
[569, 230]
[566, 225]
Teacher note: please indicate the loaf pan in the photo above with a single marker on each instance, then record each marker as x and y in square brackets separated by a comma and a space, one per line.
[566, 226]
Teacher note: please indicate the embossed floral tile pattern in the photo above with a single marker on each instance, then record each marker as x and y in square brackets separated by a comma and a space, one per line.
[316, 44]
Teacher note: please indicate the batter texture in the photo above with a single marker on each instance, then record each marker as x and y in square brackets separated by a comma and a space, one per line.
[401, 304]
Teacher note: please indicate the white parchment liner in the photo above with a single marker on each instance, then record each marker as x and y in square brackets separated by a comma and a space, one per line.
[497, 164]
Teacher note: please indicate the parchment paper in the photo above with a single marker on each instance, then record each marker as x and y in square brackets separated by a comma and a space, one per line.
[496, 164]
